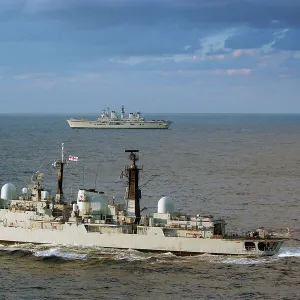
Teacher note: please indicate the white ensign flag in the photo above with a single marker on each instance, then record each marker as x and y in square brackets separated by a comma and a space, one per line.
[73, 158]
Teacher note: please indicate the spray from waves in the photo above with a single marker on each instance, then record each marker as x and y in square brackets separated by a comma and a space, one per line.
[168, 254]
[55, 252]
[130, 255]
[290, 252]
[10, 249]
[232, 260]
[284, 252]
[44, 251]
[95, 253]
[119, 255]
[246, 261]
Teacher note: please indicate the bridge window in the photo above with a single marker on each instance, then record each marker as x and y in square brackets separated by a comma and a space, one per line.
[250, 246]
[261, 246]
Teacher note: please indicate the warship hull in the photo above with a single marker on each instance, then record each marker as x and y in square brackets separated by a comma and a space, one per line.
[153, 241]
[86, 124]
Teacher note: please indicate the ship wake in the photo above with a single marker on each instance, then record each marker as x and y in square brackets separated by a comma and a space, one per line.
[290, 252]
[107, 255]
[285, 252]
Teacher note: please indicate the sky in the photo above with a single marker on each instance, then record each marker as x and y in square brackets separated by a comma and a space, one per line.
[156, 56]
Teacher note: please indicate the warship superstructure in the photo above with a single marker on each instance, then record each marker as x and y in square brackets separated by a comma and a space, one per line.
[37, 217]
[111, 120]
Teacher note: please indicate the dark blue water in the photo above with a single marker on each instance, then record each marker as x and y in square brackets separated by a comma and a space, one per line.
[242, 167]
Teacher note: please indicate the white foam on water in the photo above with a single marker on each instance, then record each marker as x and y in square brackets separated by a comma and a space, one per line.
[289, 252]
[168, 254]
[284, 252]
[132, 255]
[11, 249]
[227, 259]
[245, 261]
[58, 253]
[83, 253]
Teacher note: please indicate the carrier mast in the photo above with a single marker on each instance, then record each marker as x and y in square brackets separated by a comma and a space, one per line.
[122, 112]
[133, 193]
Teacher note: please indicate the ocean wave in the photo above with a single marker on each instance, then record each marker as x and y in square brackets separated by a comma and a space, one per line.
[102, 255]
[56, 252]
[290, 252]
[43, 251]
[246, 260]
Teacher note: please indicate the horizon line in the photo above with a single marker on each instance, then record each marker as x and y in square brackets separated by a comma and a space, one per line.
[154, 113]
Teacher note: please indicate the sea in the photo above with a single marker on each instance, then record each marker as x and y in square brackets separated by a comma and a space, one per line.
[242, 167]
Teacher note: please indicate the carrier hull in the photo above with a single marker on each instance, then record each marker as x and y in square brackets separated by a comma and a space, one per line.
[86, 124]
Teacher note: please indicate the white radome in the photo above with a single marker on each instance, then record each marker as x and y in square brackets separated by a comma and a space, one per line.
[8, 192]
[165, 205]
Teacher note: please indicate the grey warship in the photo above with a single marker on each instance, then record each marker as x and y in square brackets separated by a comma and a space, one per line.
[37, 217]
[111, 120]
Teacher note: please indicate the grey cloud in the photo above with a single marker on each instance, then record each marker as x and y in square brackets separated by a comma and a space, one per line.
[262, 17]
[189, 13]
[240, 63]
[222, 51]
[46, 62]
[290, 41]
[30, 44]
[54, 33]
[251, 38]
[195, 65]
[32, 30]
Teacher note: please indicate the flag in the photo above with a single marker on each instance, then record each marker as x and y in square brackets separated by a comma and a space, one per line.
[73, 158]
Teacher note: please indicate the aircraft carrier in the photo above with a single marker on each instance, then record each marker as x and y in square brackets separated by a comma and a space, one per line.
[111, 120]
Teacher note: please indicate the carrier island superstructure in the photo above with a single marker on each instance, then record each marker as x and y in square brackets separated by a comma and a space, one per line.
[92, 220]
[111, 120]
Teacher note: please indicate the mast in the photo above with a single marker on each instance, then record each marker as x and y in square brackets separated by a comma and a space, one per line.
[133, 193]
[60, 175]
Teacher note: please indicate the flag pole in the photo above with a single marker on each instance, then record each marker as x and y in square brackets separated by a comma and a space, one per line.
[62, 152]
